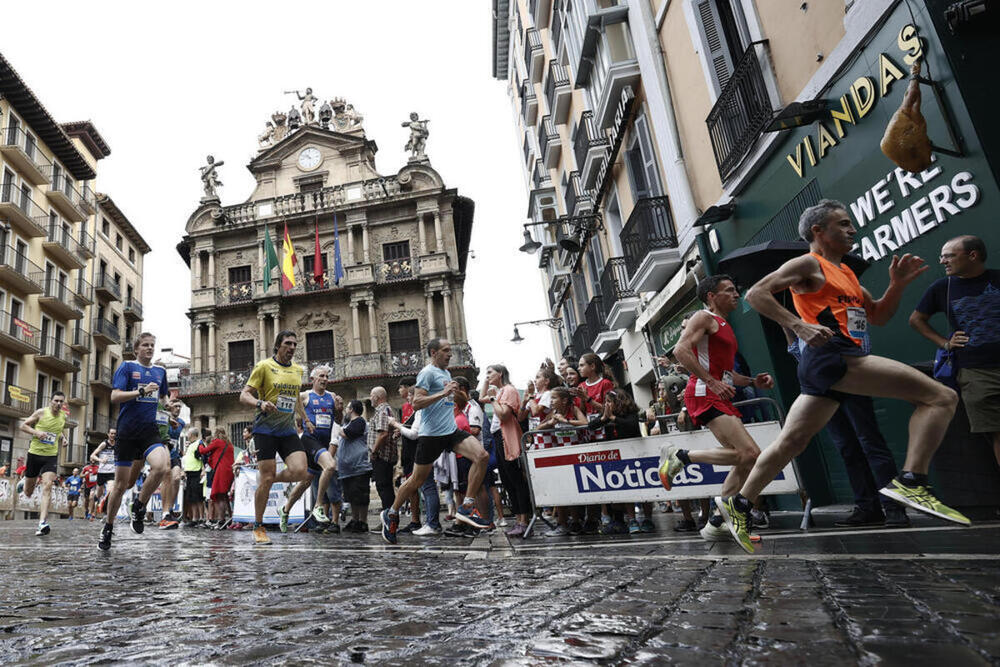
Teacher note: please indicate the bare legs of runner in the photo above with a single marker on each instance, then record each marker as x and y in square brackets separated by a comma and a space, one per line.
[295, 471]
[48, 479]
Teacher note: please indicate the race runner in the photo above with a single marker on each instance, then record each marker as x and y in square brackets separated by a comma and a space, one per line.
[707, 349]
[104, 457]
[139, 387]
[274, 390]
[834, 313]
[73, 485]
[45, 426]
[317, 428]
[171, 432]
[89, 476]
[438, 433]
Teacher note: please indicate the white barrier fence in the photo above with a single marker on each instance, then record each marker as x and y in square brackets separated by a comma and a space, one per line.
[243, 500]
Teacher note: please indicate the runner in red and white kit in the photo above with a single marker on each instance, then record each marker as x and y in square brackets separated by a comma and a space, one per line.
[707, 349]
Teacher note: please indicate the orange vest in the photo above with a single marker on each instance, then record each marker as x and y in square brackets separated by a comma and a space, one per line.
[838, 305]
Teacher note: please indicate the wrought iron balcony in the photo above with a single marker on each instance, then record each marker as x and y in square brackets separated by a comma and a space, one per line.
[56, 355]
[23, 213]
[88, 200]
[548, 140]
[63, 194]
[59, 298]
[19, 272]
[16, 401]
[21, 150]
[540, 175]
[406, 362]
[396, 269]
[214, 382]
[86, 245]
[582, 339]
[529, 106]
[649, 244]
[461, 355]
[84, 291]
[100, 424]
[60, 244]
[558, 92]
[18, 336]
[621, 301]
[595, 316]
[534, 55]
[107, 288]
[239, 292]
[101, 376]
[590, 145]
[80, 339]
[742, 111]
[78, 393]
[104, 331]
[578, 199]
[133, 309]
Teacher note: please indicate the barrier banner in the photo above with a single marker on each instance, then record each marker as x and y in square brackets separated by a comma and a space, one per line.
[155, 504]
[6, 493]
[243, 507]
[57, 501]
[616, 471]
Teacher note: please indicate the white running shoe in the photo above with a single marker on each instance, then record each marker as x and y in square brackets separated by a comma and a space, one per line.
[712, 534]
[426, 530]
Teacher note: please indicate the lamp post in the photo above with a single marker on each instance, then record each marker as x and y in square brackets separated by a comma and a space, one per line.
[552, 322]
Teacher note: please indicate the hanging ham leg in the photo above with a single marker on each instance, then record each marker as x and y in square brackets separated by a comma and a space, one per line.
[905, 141]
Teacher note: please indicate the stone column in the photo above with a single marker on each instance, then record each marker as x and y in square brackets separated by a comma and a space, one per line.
[421, 235]
[196, 261]
[277, 323]
[449, 330]
[211, 268]
[372, 326]
[211, 347]
[196, 348]
[438, 236]
[350, 244]
[356, 327]
[364, 244]
[262, 347]
[460, 314]
[260, 263]
[431, 328]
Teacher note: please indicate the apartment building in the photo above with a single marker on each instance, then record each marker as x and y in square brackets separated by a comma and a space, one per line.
[403, 241]
[51, 219]
[696, 131]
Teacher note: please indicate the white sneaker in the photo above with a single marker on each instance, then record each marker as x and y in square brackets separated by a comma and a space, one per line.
[427, 530]
[712, 534]
[502, 523]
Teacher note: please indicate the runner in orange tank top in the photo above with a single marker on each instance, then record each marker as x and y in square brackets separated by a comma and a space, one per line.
[834, 314]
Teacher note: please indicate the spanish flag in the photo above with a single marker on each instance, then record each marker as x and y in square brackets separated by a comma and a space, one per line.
[288, 262]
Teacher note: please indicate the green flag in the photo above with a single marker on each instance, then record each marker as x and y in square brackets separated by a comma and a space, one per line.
[270, 258]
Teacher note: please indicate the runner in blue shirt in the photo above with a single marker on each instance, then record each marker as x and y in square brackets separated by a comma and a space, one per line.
[138, 386]
[73, 485]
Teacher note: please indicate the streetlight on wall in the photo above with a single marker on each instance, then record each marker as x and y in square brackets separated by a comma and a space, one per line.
[552, 322]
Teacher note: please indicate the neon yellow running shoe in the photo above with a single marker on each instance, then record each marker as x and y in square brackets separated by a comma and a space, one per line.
[283, 520]
[737, 522]
[921, 498]
[670, 465]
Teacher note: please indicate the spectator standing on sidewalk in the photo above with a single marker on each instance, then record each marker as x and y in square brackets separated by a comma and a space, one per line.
[383, 450]
[506, 402]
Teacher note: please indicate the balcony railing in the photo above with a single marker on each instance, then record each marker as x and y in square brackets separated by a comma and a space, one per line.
[84, 291]
[106, 282]
[86, 245]
[577, 196]
[133, 307]
[28, 215]
[558, 80]
[614, 282]
[582, 339]
[396, 269]
[741, 112]
[529, 105]
[532, 45]
[99, 424]
[588, 136]
[80, 338]
[239, 292]
[407, 361]
[540, 175]
[88, 198]
[57, 349]
[102, 375]
[19, 333]
[21, 149]
[107, 329]
[16, 401]
[596, 316]
[61, 182]
[649, 227]
[63, 298]
[78, 392]
[548, 140]
[16, 269]
[64, 237]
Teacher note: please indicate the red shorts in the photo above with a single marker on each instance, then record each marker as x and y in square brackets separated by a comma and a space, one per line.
[702, 406]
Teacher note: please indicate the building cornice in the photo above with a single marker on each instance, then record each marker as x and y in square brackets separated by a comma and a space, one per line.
[85, 131]
[107, 204]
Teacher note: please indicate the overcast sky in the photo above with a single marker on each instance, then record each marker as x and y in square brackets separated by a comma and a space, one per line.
[166, 84]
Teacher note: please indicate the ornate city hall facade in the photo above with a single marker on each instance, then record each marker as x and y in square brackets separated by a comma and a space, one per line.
[403, 241]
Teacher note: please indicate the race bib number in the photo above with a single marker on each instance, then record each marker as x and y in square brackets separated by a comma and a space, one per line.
[857, 327]
[285, 404]
[48, 438]
[323, 421]
[92, 478]
[162, 419]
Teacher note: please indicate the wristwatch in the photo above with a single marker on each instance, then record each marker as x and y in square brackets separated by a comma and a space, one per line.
[258, 404]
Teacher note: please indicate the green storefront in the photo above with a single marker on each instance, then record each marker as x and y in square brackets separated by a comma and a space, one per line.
[896, 212]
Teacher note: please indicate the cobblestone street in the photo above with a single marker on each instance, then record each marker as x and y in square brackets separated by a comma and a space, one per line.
[925, 595]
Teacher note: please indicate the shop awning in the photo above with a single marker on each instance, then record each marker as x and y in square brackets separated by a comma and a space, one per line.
[751, 263]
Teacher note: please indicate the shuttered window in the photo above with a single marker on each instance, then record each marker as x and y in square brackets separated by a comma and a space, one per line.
[724, 41]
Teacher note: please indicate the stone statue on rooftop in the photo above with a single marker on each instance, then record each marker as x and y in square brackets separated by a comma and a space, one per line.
[266, 139]
[308, 100]
[280, 128]
[210, 178]
[418, 136]
[294, 119]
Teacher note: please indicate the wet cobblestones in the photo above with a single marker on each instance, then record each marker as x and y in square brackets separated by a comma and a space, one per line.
[203, 597]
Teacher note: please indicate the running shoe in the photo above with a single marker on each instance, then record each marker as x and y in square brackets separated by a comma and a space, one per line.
[633, 527]
[106, 532]
[468, 514]
[759, 518]
[559, 531]
[685, 526]
[43, 528]
[320, 515]
[713, 533]
[283, 519]
[921, 498]
[410, 527]
[138, 515]
[647, 526]
[895, 516]
[670, 465]
[737, 521]
[168, 523]
[427, 530]
[860, 517]
[390, 524]
[502, 523]
[517, 531]
[260, 535]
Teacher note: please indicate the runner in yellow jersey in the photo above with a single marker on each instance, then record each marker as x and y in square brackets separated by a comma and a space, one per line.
[45, 426]
[274, 390]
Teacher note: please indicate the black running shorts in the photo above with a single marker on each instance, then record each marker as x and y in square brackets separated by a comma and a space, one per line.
[35, 465]
[269, 445]
[429, 447]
